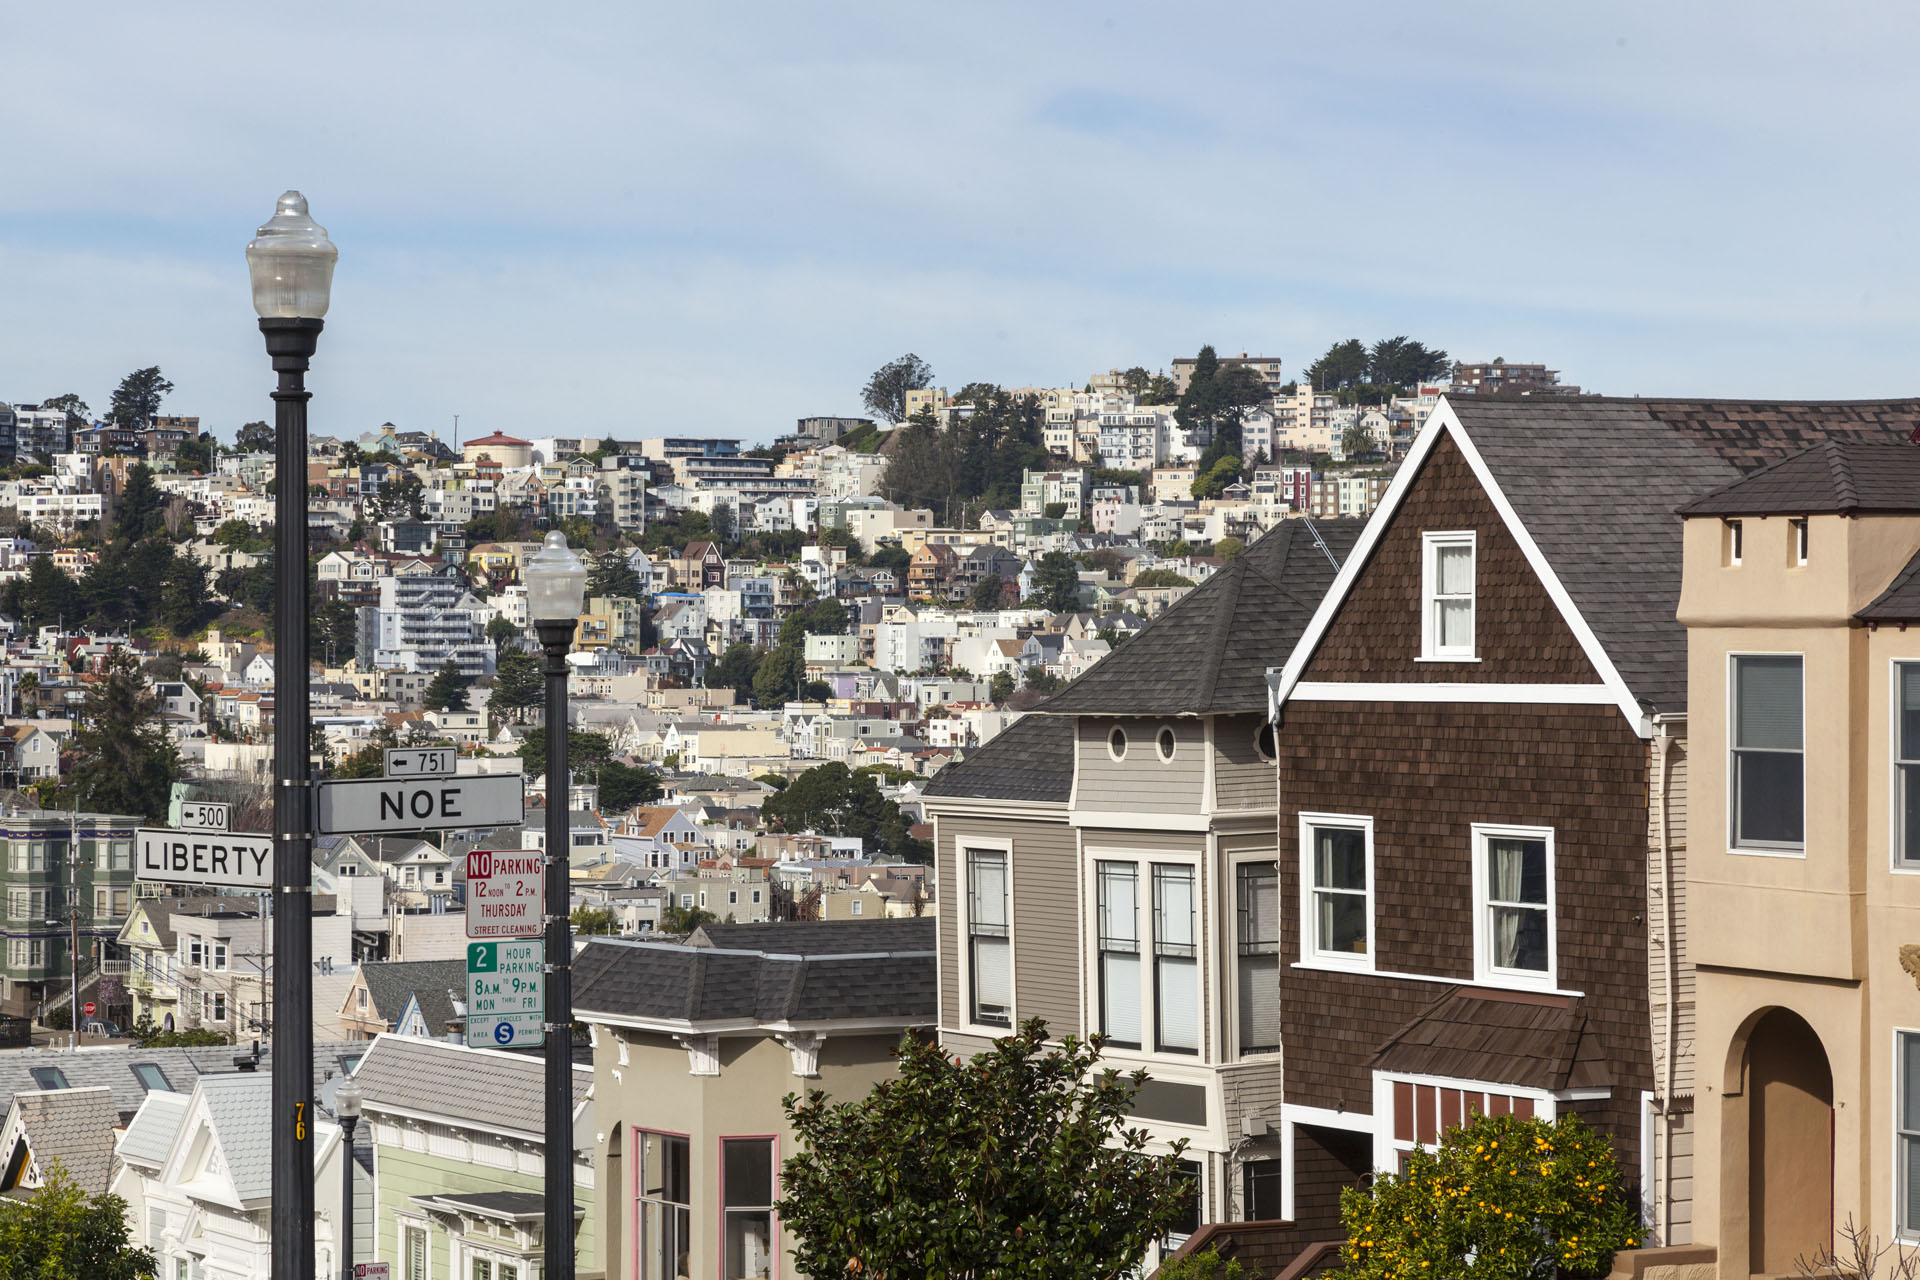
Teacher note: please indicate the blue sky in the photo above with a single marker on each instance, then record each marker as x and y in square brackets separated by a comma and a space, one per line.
[642, 219]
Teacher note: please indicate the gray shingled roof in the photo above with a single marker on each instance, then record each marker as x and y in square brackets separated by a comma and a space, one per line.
[390, 982]
[477, 1086]
[1031, 759]
[1209, 653]
[112, 1066]
[1900, 602]
[1840, 476]
[149, 1137]
[1598, 483]
[74, 1127]
[773, 981]
[241, 1108]
[819, 937]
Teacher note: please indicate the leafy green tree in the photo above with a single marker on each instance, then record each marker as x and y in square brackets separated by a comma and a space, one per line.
[1215, 480]
[894, 559]
[1357, 440]
[592, 921]
[152, 1037]
[137, 399]
[1400, 363]
[446, 691]
[59, 1232]
[721, 522]
[140, 509]
[1205, 1265]
[335, 633]
[398, 498]
[254, 437]
[622, 786]
[987, 593]
[1342, 368]
[1136, 380]
[195, 453]
[44, 596]
[518, 686]
[780, 674]
[1500, 1198]
[126, 760]
[735, 670]
[831, 799]
[1044, 680]
[183, 597]
[368, 762]
[676, 919]
[613, 575]
[585, 749]
[1056, 583]
[1017, 1163]
[885, 394]
[1228, 548]
[501, 632]
[1150, 578]
[70, 404]
[1001, 687]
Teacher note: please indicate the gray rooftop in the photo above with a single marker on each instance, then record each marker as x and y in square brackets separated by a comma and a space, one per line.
[1031, 760]
[771, 977]
[241, 1108]
[432, 982]
[149, 1136]
[113, 1066]
[1835, 476]
[74, 1127]
[1900, 602]
[1208, 654]
[476, 1086]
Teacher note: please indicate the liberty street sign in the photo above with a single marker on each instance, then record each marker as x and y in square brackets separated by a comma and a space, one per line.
[506, 994]
[225, 860]
[506, 893]
[350, 807]
[421, 762]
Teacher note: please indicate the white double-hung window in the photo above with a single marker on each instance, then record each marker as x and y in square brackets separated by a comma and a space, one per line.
[1906, 765]
[1769, 752]
[1513, 905]
[1336, 898]
[1447, 595]
[1176, 960]
[989, 937]
[1117, 906]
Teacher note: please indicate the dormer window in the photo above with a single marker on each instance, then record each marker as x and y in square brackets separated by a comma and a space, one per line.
[1447, 586]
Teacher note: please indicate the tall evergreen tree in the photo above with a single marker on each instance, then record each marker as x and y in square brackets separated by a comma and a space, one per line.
[183, 596]
[137, 399]
[127, 762]
[446, 691]
[142, 511]
[612, 575]
[517, 686]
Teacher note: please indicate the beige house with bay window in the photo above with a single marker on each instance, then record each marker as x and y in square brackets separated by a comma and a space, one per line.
[1802, 585]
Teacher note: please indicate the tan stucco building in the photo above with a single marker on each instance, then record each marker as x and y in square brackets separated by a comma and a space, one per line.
[694, 1048]
[1803, 892]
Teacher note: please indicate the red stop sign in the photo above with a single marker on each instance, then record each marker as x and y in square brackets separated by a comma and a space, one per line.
[87, 1008]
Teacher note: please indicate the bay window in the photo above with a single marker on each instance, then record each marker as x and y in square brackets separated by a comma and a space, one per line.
[1257, 899]
[1117, 903]
[1176, 960]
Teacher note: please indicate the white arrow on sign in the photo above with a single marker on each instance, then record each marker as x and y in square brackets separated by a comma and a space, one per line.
[225, 860]
[354, 806]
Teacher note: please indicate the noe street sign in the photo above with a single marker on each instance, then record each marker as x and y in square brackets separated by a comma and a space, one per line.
[222, 859]
[506, 893]
[353, 806]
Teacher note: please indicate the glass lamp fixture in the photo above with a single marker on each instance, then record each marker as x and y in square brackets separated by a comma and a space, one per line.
[347, 1099]
[556, 581]
[291, 262]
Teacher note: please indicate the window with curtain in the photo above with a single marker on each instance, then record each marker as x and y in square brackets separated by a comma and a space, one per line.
[746, 1207]
[989, 940]
[665, 1212]
[1117, 903]
[1908, 1121]
[1516, 909]
[1768, 753]
[1906, 766]
[1176, 961]
[1448, 577]
[1257, 898]
[416, 1253]
[1339, 879]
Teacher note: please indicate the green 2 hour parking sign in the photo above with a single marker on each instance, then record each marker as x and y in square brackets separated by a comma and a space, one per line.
[506, 993]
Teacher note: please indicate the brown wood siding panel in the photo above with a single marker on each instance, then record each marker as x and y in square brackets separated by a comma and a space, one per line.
[1241, 779]
[1519, 634]
[1046, 917]
[1425, 773]
[1142, 782]
[1326, 1161]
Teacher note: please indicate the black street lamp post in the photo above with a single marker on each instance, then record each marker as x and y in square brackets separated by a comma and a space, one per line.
[556, 591]
[347, 1100]
[291, 264]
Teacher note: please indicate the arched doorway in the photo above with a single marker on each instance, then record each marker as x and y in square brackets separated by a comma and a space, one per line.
[1789, 1090]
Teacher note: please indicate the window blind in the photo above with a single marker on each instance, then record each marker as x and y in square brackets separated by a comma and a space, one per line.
[1767, 691]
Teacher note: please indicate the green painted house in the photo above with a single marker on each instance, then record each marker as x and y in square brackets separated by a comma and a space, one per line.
[458, 1152]
[53, 866]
